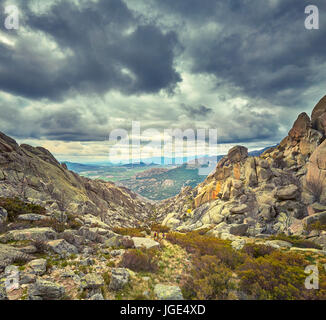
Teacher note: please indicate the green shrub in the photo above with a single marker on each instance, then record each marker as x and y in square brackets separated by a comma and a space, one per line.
[200, 245]
[132, 232]
[315, 226]
[209, 280]
[139, 260]
[16, 207]
[257, 250]
[160, 228]
[278, 276]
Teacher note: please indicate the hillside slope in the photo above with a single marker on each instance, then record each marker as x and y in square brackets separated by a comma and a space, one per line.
[34, 174]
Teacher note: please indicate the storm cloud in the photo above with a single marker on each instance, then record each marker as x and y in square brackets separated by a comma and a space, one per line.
[96, 47]
[75, 70]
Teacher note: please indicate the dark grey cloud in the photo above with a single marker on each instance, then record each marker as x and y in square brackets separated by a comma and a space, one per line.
[260, 47]
[102, 46]
[80, 70]
[197, 112]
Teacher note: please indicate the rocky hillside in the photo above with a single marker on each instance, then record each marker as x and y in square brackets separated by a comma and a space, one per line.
[281, 191]
[249, 231]
[33, 174]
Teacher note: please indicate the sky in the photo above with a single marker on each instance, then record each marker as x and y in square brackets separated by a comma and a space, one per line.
[76, 71]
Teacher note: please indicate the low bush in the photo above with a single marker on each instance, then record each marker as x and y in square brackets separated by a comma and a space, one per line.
[209, 280]
[278, 276]
[318, 226]
[139, 260]
[160, 228]
[201, 245]
[257, 250]
[132, 232]
[16, 207]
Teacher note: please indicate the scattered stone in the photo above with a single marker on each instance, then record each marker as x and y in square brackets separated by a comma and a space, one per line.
[119, 278]
[280, 243]
[238, 244]
[87, 262]
[239, 209]
[28, 249]
[115, 253]
[92, 281]
[27, 278]
[38, 266]
[9, 255]
[31, 217]
[3, 215]
[46, 290]
[287, 193]
[145, 243]
[167, 292]
[62, 247]
[97, 296]
[37, 234]
[3, 292]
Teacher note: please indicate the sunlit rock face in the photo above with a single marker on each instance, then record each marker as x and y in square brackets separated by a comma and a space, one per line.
[272, 193]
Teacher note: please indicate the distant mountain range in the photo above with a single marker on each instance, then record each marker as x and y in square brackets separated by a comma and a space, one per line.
[150, 179]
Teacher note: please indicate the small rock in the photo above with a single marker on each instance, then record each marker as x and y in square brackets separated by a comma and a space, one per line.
[92, 281]
[31, 217]
[38, 266]
[26, 278]
[46, 290]
[97, 296]
[238, 244]
[62, 247]
[3, 292]
[145, 243]
[115, 253]
[167, 292]
[239, 209]
[37, 234]
[119, 278]
[3, 215]
[287, 193]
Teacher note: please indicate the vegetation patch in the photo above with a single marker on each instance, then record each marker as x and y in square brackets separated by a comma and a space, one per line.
[297, 241]
[139, 260]
[16, 207]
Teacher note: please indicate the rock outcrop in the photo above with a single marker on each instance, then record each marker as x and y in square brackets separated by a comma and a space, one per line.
[270, 194]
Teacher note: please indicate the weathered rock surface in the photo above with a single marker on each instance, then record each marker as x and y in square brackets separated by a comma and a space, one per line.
[92, 281]
[146, 243]
[119, 278]
[34, 174]
[62, 247]
[32, 217]
[37, 266]
[46, 290]
[3, 215]
[267, 194]
[37, 234]
[167, 292]
[9, 255]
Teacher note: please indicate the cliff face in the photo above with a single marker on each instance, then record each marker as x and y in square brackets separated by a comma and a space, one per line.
[282, 190]
[35, 175]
